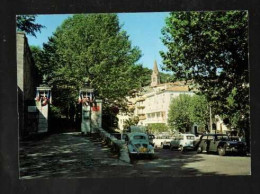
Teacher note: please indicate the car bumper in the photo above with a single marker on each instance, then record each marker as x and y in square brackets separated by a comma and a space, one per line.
[235, 149]
[189, 147]
[167, 144]
[141, 153]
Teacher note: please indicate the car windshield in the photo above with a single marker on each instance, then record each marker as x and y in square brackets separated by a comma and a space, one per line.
[139, 137]
[222, 137]
[234, 138]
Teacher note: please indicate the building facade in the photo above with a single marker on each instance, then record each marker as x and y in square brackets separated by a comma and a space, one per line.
[152, 104]
[26, 82]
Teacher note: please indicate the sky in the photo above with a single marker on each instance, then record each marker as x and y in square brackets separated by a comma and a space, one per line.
[144, 30]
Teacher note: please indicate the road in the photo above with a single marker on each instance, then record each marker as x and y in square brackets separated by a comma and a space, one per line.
[70, 155]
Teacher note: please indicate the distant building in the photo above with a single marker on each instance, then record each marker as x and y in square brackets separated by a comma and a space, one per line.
[152, 103]
[155, 77]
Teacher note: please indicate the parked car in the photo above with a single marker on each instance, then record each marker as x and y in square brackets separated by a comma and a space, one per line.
[162, 140]
[220, 143]
[138, 144]
[183, 142]
[151, 138]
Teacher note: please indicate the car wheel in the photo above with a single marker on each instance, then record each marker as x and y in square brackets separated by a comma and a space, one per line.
[199, 150]
[181, 148]
[222, 151]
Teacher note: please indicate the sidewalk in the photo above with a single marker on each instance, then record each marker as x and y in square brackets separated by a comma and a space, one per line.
[66, 155]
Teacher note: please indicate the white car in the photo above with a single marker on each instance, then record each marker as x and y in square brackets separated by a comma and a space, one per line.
[162, 141]
[183, 142]
[138, 144]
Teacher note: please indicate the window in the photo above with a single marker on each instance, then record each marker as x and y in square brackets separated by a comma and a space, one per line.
[190, 137]
[139, 137]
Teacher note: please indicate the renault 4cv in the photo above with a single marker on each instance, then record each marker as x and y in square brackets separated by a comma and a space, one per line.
[138, 144]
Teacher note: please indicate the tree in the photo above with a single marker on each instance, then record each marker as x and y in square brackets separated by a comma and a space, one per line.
[37, 56]
[199, 108]
[211, 49]
[186, 110]
[93, 47]
[156, 128]
[27, 24]
[131, 122]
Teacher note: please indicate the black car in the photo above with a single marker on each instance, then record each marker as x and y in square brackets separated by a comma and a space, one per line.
[220, 143]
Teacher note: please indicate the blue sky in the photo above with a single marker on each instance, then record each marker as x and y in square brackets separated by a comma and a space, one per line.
[144, 30]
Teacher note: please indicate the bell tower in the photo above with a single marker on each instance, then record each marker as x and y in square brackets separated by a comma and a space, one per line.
[155, 78]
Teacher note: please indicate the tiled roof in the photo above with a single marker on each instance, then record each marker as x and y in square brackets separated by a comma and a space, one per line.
[155, 68]
[178, 88]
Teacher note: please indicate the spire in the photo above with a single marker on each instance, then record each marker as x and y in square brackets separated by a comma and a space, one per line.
[155, 78]
[155, 68]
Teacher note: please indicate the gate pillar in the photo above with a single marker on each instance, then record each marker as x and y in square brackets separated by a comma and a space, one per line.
[42, 101]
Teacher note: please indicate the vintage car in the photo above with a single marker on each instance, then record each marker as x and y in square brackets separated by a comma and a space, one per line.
[151, 138]
[162, 140]
[183, 142]
[220, 143]
[138, 144]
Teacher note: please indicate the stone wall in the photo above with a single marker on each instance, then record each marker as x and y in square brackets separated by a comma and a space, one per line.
[26, 80]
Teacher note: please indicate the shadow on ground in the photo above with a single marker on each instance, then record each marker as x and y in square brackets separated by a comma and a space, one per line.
[70, 155]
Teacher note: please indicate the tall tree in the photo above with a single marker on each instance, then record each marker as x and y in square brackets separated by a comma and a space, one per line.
[186, 110]
[211, 48]
[180, 113]
[91, 46]
[27, 24]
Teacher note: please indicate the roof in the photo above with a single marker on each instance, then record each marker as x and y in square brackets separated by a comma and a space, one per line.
[131, 134]
[155, 68]
[178, 88]
[211, 134]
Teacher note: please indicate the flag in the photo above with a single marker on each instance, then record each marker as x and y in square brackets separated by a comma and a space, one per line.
[95, 108]
[50, 97]
[79, 99]
[37, 98]
[45, 101]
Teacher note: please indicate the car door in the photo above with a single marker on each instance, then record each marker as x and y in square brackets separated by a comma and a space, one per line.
[179, 141]
[213, 142]
[203, 142]
[174, 142]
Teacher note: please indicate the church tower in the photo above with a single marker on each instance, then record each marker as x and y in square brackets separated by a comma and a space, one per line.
[155, 78]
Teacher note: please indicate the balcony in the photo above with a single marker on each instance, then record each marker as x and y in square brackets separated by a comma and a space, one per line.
[141, 116]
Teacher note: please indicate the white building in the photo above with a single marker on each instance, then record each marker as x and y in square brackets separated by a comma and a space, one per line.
[152, 104]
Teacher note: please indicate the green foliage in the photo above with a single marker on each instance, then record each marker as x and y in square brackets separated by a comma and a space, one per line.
[186, 110]
[91, 46]
[27, 24]
[37, 56]
[166, 78]
[157, 128]
[199, 110]
[211, 48]
[131, 122]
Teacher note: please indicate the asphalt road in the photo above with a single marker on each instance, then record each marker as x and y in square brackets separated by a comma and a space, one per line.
[71, 155]
[175, 163]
